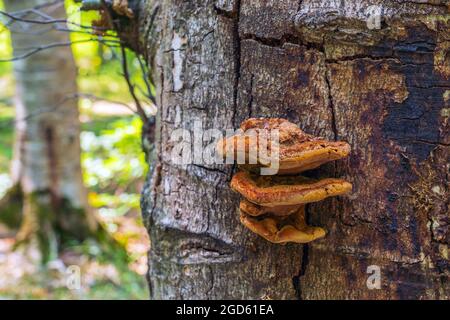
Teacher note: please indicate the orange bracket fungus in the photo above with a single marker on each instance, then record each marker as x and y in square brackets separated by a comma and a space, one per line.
[274, 205]
[296, 150]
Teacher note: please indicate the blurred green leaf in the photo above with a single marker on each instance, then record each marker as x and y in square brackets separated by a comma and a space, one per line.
[113, 160]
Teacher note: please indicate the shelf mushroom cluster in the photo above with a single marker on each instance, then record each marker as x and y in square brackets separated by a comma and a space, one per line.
[274, 205]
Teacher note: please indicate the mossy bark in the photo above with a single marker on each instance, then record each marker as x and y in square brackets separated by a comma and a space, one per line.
[54, 227]
[11, 207]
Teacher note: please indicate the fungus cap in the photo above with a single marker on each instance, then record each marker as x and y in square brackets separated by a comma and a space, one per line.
[297, 151]
[273, 191]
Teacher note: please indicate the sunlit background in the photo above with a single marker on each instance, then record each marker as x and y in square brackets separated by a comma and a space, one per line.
[114, 170]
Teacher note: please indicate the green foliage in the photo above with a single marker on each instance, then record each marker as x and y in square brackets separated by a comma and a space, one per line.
[5, 46]
[113, 160]
[99, 63]
[6, 136]
[111, 144]
[102, 284]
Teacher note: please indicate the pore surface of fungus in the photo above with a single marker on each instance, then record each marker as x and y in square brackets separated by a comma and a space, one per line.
[274, 206]
[281, 229]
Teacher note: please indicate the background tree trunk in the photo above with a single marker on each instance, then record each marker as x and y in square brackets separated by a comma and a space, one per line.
[316, 63]
[46, 168]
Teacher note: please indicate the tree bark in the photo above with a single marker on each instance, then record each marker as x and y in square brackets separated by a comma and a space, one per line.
[383, 88]
[46, 168]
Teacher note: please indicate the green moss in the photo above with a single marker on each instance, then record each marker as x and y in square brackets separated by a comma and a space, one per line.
[11, 208]
[64, 226]
[38, 224]
[6, 136]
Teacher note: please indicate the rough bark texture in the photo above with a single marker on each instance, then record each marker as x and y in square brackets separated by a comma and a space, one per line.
[316, 63]
[46, 168]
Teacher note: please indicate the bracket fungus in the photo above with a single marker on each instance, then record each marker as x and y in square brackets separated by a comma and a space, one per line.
[296, 150]
[274, 206]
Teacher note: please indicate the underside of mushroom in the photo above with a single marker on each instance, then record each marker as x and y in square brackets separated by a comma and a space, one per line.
[281, 229]
[274, 206]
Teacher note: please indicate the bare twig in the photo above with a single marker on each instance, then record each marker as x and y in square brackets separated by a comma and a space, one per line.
[90, 4]
[131, 87]
[147, 80]
[57, 27]
[97, 98]
[53, 45]
[58, 105]
[41, 111]
[44, 19]
[47, 22]
[126, 73]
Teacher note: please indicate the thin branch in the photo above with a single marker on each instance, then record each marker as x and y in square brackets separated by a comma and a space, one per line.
[126, 73]
[35, 50]
[97, 98]
[42, 111]
[147, 78]
[45, 19]
[48, 21]
[131, 87]
[66, 98]
[151, 99]
[88, 5]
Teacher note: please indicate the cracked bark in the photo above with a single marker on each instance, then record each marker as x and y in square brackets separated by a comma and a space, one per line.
[384, 91]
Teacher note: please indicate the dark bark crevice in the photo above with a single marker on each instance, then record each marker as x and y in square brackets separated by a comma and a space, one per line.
[250, 100]
[149, 27]
[283, 40]
[233, 14]
[185, 245]
[237, 60]
[331, 104]
[210, 289]
[209, 169]
[304, 261]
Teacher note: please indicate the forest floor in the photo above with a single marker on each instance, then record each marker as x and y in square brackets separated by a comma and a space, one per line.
[108, 138]
[22, 276]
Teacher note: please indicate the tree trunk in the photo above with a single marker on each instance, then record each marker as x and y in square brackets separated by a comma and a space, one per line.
[331, 68]
[46, 168]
